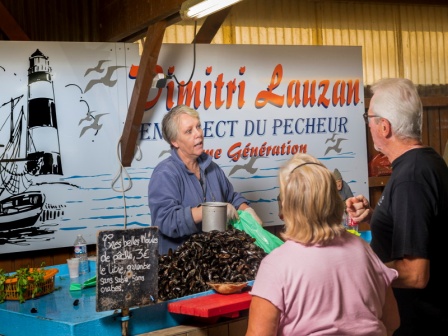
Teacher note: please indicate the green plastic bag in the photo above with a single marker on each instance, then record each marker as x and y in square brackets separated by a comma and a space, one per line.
[263, 238]
[88, 283]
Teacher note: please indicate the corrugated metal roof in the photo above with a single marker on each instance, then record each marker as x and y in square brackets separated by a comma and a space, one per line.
[398, 40]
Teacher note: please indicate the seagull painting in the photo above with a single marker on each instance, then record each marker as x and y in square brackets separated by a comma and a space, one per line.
[89, 116]
[249, 166]
[336, 147]
[97, 68]
[106, 79]
[166, 151]
[332, 139]
[95, 125]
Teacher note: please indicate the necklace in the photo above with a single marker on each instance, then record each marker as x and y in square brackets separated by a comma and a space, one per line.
[203, 182]
[203, 186]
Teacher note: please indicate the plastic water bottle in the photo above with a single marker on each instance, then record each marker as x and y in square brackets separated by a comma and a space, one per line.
[349, 223]
[345, 218]
[81, 253]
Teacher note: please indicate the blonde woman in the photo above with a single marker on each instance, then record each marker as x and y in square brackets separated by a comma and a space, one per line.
[322, 280]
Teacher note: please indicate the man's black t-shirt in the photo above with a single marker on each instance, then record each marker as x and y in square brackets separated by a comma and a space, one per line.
[411, 219]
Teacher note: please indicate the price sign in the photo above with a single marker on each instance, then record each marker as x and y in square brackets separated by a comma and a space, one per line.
[127, 268]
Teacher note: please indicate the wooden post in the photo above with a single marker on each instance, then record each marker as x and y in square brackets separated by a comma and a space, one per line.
[145, 75]
[124, 321]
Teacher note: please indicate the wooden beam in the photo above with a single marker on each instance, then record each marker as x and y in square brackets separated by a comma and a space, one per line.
[10, 26]
[403, 2]
[125, 20]
[435, 101]
[138, 35]
[432, 101]
[211, 26]
[145, 76]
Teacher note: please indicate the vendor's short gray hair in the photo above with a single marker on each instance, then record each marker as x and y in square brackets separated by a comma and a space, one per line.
[170, 122]
[337, 174]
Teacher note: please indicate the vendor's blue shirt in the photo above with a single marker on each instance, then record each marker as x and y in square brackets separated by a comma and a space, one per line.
[345, 191]
[173, 190]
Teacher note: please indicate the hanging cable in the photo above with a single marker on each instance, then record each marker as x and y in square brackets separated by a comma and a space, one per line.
[194, 59]
[119, 176]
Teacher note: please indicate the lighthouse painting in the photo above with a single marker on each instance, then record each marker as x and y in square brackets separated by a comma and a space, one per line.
[59, 126]
[43, 151]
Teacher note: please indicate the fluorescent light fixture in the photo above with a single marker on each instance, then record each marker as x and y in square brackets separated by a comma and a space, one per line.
[196, 9]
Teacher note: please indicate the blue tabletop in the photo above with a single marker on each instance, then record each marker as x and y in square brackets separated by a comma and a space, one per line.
[56, 314]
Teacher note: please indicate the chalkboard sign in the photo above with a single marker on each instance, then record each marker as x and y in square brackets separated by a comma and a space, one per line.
[127, 268]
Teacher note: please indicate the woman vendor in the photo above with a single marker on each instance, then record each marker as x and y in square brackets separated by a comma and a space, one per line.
[185, 180]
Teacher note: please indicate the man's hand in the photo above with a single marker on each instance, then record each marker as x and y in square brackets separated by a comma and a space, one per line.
[358, 208]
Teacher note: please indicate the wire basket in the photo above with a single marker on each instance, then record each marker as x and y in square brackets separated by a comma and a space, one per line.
[47, 286]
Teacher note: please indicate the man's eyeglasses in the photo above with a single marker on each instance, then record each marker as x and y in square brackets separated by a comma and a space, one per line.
[366, 117]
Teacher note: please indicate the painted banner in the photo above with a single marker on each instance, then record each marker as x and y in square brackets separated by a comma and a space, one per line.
[63, 107]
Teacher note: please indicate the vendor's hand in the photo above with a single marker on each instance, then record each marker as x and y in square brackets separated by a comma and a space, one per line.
[358, 208]
[254, 215]
[232, 214]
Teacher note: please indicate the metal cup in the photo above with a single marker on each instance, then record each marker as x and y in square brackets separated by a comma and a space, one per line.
[214, 216]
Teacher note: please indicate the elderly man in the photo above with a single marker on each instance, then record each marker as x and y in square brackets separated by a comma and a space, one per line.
[409, 223]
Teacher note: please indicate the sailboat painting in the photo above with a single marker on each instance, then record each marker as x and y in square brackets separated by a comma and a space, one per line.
[20, 209]
[59, 125]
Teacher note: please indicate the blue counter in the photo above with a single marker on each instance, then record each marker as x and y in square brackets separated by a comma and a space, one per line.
[57, 315]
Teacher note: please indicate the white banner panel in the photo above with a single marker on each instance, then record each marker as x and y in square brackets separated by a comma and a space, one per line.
[63, 107]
